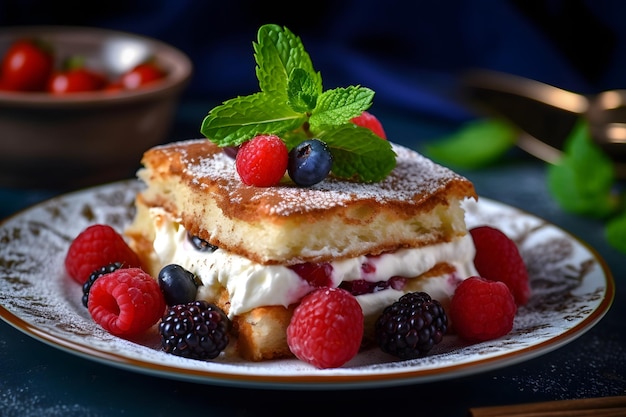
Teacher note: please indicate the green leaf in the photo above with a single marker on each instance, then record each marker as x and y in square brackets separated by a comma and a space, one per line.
[339, 105]
[302, 91]
[358, 154]
[294, 137]
[478, 144]
[293, 106]
[277, 53]
[240, 119]
[616, 232]
[582, 180]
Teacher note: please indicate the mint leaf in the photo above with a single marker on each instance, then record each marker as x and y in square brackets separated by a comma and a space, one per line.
[357, 159]
[239, 119]
[616, 232]
[339, 105]
[581, 182]
[302, 91]
[277, 53]
[293, 106]
[478, 144]
[294, 137]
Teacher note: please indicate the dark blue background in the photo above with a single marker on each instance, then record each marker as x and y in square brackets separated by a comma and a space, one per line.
[409, 52]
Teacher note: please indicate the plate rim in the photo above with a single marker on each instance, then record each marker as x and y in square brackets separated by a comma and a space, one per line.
[401, 376]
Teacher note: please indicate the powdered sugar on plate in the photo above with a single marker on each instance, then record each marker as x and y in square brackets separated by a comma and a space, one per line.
[572, 290]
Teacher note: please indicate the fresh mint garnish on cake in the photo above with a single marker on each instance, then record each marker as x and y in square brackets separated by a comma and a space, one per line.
[293, 105]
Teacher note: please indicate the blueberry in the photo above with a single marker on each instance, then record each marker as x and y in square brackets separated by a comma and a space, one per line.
[178, 285]
[309, 162]
[201, 244]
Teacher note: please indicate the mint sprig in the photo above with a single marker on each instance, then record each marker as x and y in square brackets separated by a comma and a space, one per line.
[616, 231]
[582, 180]
[293, 105]
[479, 143]
[359, 149]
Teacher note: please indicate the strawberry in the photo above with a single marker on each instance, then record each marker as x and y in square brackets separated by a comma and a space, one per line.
[126, 302]
[498, 259]
[326, 328]
[97, 246]
[481, 309]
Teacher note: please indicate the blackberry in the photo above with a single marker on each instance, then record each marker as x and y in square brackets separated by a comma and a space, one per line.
[411, 326]
[196, 330]
[231, 151]
[107, 269]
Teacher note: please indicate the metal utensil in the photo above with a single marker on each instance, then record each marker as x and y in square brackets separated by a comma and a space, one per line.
[546, 114]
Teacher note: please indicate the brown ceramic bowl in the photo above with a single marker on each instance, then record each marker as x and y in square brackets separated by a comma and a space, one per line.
[86, 138]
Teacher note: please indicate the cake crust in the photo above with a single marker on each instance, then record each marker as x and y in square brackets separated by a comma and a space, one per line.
[416, 205]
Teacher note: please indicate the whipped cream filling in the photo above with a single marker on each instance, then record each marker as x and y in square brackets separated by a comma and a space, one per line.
[250, 285]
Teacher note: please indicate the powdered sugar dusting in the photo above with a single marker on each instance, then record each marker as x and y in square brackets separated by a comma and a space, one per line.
[25, 403]
[414, 177]
[571, 292]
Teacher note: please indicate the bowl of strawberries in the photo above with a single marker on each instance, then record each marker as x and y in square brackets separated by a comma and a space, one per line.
[79, 105]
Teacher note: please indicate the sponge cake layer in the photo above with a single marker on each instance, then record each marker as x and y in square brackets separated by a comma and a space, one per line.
[418, 204]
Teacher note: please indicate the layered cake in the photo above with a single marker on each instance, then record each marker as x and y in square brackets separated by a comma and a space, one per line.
[259, 250]
[295, 228]
[315, 197]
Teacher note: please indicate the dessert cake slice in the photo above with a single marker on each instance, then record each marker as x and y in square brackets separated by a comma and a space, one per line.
[259, 250]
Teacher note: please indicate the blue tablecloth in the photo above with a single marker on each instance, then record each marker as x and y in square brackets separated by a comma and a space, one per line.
[38, 380]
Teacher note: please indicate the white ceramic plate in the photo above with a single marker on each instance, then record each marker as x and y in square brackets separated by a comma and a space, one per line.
[572, 290]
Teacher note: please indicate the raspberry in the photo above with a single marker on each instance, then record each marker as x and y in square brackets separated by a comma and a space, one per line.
[326, 328]
[196, 330]
[368, 120]
[96, 246]
[498, 259]
[316, 274]
[482, 309]
[126, 302]
[262, 161]
[411, 326]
